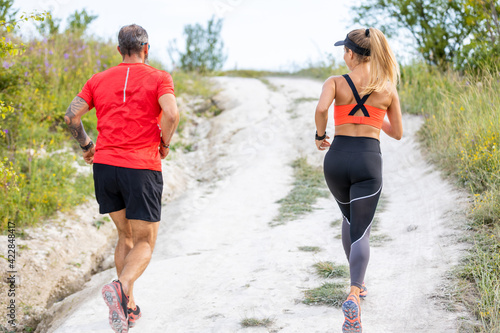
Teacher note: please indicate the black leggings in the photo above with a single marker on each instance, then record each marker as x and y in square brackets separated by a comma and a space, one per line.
[353, 172]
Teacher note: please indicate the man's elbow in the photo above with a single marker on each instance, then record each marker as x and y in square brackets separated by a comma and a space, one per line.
[398, 135]
[70, 118]
[176, 119]
[172, 115]
[67, 120]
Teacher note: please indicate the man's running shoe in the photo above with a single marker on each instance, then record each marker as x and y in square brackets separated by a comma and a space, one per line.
[364, 291]
[133, 316]
[117, 302]
[352, 314]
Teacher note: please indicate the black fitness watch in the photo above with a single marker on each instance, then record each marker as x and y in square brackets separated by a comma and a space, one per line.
[87, 147]
[164, 145]
[320, 138]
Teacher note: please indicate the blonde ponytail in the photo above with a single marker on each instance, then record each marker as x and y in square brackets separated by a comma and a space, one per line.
[383, 64]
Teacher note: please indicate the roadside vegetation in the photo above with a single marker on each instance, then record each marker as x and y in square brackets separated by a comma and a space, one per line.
[329, 293]
[328, 269]
[318, 70]
[461, 134]
[256, 322]
[306, 248]
[39, 163]
[307, 187]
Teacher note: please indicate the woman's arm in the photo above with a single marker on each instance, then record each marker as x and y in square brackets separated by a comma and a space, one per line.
[393, 125]
[321, 117]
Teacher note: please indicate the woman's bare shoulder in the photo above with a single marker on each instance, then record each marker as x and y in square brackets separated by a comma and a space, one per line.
[335, 78]
[332, 80]
[392, 90]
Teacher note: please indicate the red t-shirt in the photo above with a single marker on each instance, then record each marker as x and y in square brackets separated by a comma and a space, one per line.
[128, 114]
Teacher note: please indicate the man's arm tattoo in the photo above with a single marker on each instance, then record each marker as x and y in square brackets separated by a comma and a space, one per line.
[74, 122]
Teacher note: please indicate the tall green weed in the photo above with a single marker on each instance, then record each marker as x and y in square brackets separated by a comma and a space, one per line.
[462, 135]
[39, 171]
[462, 127]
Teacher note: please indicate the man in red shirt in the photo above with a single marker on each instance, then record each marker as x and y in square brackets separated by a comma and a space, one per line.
[136, 118]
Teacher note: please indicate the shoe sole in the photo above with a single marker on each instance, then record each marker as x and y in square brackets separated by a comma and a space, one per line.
[352, 322]
[117, 320]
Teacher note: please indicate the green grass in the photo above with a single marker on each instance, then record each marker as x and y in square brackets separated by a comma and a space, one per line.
[461, 134]
[100, 222]
[336, 223]
[318, 70]
[322, 69]
[481, 270]
[268, 83]
[310, 248]
[199, 88]
[249, 73]
[328, 269]
[461, 129]
[305, 100]
[382, 203]
[379, 240]
[332, 294]
[255, 322]
[192, 84]
[309, 185]
[292, 109]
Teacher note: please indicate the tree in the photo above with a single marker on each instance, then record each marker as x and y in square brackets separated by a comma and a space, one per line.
[484, 47]
[50, 26]
[204, 47]
[7, 14]
[79, 21]
[442, 29]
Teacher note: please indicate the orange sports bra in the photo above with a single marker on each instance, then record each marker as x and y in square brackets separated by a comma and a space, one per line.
[344, 114]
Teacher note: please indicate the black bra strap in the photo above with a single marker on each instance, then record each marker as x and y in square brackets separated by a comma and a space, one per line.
[360, 101]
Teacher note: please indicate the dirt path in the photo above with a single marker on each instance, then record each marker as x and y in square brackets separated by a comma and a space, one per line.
[218, 261]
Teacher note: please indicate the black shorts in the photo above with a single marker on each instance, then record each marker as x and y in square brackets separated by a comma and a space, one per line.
[138, 191]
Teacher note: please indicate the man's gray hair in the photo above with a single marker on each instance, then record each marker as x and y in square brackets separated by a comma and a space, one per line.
[131, 39]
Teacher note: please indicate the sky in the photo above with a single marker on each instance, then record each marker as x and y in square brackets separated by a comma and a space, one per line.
[258, 34]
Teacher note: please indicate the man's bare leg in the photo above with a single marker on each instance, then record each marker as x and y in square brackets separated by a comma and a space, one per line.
[124, 245]
[125, 240]
[144, 238]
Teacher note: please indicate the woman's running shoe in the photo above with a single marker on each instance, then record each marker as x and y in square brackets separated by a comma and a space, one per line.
[117, 302]
[364, 291]
[133, 316]
[352, 314]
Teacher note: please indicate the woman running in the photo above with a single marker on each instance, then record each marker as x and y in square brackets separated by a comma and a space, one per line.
[353, 163]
